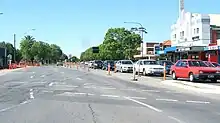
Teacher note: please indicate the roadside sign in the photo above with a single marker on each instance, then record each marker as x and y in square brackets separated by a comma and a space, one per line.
[9, 56]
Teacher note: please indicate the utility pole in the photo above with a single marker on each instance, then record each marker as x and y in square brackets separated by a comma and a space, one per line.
[14, 47]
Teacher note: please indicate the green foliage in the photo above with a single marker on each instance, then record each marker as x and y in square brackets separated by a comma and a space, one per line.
[118, 43]
[40, 51]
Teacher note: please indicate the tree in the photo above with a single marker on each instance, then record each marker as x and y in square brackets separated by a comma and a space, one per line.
[56, 52]
[74, 59]
[118, 43]
[26, 47]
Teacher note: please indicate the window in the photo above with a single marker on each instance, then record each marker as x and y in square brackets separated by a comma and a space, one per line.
[207, 20]
[197, 30]
[178, 64]
[194, 31]
[174, 35]
[126, 62]
[150, 63]
[197, 64]
[182, 33]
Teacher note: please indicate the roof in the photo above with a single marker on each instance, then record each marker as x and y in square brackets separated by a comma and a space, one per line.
[167, 43]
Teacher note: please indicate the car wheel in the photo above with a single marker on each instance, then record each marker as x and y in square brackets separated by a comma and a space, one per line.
[191, 77]
[174, 76]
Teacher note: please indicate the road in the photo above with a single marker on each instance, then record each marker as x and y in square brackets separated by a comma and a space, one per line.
[62, 95]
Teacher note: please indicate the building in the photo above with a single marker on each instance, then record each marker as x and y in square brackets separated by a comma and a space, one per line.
[191, 33]
[149, 50]
[3, 60]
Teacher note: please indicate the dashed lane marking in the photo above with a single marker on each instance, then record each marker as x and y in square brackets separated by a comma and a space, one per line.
[156, 91]
[169, 100]
[42, 76]
[144, 104]
[78, 78]
[200, 102]
[51, 84]
[87, 84]
[32, 77]
[115, 96]
[106, 88]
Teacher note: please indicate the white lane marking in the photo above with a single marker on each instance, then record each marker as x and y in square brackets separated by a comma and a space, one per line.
[144, 104]
[151, 91]
[90, 87]
[170, 100]
[106, 88]
[103, 95]
[201, 102]
[79, 93]
[129, 89]
[42, 76]
[33, 72]
[78, 78]
[141, 98]
[51, 84]
[14, 106]
[31, 95]
[47, 91]
[177, 120]
[32, 77]
[62, 72]
[87, 83]
[90, 94]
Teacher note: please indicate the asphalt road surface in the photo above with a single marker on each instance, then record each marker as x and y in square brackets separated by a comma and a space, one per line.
[61, 95]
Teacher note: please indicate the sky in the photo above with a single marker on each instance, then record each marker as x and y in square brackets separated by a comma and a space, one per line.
[75, 25]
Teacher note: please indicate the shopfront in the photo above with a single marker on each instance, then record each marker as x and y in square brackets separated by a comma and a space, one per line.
[196, 52]
[212, 53]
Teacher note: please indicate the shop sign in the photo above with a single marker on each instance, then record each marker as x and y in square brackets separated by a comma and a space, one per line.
[215, 47]
[184, 49]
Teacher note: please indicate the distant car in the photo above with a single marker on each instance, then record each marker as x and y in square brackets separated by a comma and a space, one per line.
[105, 65]
[97, 64]
[168, 65]
[194, 70]
[59, 63]
[124, 66]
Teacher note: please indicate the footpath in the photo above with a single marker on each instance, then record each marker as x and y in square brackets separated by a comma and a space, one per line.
[5, 71]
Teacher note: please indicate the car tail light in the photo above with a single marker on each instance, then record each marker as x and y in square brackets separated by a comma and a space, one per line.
[217, 72]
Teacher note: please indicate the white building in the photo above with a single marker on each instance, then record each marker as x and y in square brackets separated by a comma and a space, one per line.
[192, 29]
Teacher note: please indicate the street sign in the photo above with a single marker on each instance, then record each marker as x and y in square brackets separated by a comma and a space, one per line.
[9, 56]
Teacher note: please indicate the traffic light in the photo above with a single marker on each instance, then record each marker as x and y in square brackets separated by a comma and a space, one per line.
[95, 49]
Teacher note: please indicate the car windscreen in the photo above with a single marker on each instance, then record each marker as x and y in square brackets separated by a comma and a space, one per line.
[126, 62]
[197, 64]
[150, 63]
[215, 64]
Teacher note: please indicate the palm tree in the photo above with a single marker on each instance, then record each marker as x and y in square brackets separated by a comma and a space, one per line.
[29, 38]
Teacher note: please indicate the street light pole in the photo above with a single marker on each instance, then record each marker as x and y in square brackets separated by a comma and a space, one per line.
[14, 48]
[142, 30]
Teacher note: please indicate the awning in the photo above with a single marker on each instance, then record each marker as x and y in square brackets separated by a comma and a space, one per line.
[169, 49]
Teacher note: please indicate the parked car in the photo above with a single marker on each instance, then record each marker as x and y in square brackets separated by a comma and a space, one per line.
[105, 65]
[216, 64]
[59, 63]
[209, 64]
[149, 67]
[97, 64]
[168, 65]
[194, 70]
[124, 66]
[91, 64]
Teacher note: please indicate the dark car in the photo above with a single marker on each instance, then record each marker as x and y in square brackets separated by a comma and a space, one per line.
[97, 64]
[105, 65]
[168, 65]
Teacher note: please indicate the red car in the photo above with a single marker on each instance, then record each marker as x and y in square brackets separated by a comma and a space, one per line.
[216, 64]
[194, 70]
